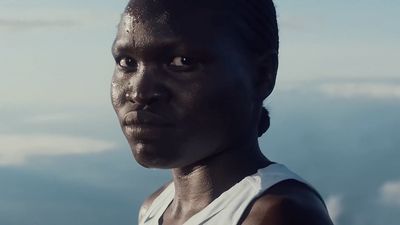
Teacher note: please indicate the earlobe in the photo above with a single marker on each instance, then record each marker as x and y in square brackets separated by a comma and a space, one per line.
[267, 67]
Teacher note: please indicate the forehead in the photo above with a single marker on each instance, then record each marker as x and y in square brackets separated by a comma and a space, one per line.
[145, 21]
[151, 8]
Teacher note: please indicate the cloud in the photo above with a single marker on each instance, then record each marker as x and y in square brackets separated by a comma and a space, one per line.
[18, 149]
[383, 89]
[51, 118]
[390, 193]
[35, 23]
[46, 17]
[362, 90]
[335, 207]
[292, 23]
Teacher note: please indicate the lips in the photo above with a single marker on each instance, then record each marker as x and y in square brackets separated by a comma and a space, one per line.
[145, 119]
[145, 126]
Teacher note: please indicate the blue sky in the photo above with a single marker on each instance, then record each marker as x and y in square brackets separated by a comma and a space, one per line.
[336, 102]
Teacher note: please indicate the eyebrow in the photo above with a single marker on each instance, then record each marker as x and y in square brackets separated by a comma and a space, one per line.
[158, 47]
[126, 46]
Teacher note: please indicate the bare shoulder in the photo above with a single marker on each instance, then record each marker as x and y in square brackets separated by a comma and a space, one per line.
[287, 203]
[147, 203]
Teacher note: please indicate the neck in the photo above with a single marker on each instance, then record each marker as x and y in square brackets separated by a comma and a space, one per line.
[198, 185]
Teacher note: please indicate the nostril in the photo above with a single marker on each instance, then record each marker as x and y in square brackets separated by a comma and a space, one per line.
[143, 99]
[147, 96]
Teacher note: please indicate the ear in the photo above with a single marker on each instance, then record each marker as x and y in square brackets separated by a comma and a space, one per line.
[267, 67]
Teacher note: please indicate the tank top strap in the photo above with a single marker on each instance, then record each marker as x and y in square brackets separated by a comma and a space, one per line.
[158, 206]
[274, 174]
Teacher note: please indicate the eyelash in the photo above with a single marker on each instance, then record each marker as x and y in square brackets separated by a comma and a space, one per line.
[193, 63]
[125, 67]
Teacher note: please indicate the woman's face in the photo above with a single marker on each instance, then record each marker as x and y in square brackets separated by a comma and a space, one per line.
[182, 88]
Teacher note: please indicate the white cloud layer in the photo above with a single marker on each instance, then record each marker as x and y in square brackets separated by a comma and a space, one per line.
[48, 18]
[390, 193]
[362, 90]
[335, 207]
[17, 149]
[32, 24]
[51, 118]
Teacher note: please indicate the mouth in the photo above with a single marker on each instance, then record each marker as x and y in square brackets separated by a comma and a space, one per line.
[145, 126]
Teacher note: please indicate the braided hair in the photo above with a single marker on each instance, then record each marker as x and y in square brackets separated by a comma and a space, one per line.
[259, 30]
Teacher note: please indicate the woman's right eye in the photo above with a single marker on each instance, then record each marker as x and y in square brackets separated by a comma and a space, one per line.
[127, 63]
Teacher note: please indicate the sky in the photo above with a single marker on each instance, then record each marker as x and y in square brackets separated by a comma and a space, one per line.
[63, 158]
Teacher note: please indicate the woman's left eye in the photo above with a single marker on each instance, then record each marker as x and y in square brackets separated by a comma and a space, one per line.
[181, 62]
[127, 63]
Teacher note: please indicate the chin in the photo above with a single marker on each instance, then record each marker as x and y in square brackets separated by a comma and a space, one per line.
[153, 156]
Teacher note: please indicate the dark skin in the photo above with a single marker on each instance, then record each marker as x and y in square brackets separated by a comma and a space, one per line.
[188, 96]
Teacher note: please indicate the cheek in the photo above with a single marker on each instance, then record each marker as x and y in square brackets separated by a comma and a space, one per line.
[118, 91]
[231, 108]
[216, 107]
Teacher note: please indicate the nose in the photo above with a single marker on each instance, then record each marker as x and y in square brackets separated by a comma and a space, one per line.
[146, 89]
[143, 98]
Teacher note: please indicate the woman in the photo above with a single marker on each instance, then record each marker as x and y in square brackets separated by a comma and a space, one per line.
[188, 88]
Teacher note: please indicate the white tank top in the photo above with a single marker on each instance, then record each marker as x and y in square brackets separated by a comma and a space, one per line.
[228, 208]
